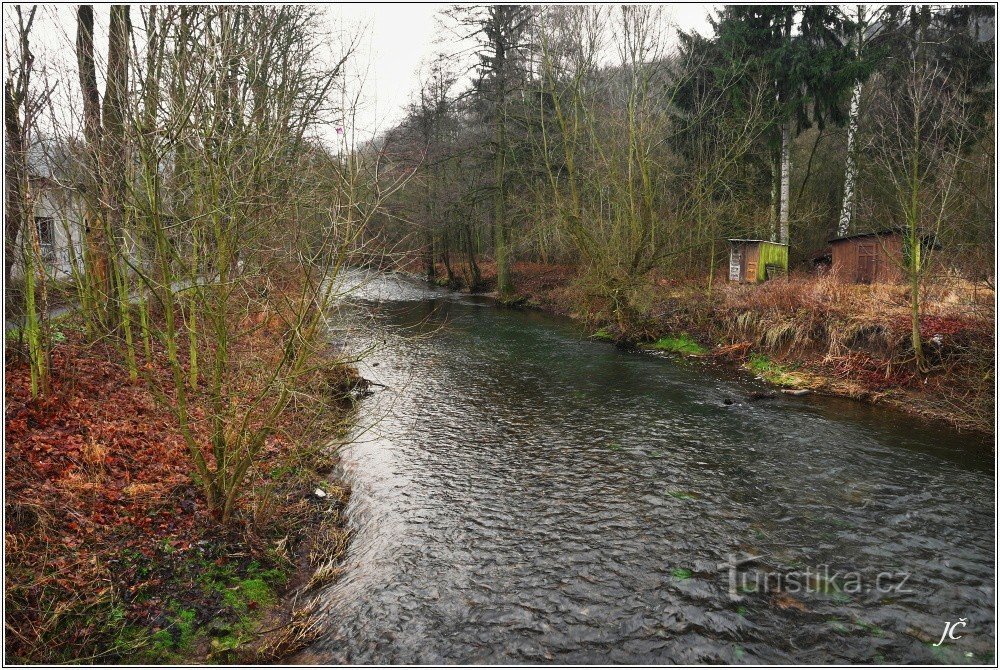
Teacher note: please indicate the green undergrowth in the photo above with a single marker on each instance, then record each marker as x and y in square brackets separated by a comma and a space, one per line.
[680, 344]
[777, 374]
[218, 600]
[604, 334]
[218, 606]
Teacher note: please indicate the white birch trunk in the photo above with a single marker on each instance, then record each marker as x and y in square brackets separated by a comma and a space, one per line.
[786, 140]
[774, 200]
[851, 166]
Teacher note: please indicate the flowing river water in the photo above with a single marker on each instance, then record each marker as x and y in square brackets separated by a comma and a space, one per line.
[524, 495]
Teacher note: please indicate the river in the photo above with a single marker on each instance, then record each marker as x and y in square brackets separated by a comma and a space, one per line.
[522, 494]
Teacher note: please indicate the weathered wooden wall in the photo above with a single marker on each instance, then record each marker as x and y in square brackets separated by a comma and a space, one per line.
[867, 259]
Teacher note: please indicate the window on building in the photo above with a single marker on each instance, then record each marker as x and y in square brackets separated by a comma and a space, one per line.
[46, 227]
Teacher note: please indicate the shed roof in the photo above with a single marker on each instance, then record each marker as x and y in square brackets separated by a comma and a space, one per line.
[928, 240]
[736, 239]
[872, 233]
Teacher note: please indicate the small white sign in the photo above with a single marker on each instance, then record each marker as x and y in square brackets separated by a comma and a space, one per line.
[734, 265]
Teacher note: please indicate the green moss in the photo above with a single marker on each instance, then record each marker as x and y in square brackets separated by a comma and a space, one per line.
[764, 367]
[244, 593]
[171, 643]
[681, 573]
[249, 591]
[603, 334]
[682, 344]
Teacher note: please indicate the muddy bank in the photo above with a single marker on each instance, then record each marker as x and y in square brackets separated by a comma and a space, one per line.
[803, 332]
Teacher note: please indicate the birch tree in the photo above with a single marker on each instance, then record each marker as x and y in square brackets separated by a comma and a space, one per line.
[864, 25]
[799, 47]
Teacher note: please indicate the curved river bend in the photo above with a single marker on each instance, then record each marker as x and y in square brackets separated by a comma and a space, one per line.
[524, 495]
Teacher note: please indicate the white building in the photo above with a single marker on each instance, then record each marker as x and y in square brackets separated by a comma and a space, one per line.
[57, 216]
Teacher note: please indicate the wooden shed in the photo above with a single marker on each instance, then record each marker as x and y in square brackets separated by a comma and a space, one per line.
[756, 260]
[868, 257]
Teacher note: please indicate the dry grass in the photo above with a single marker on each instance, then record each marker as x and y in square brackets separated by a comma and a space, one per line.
[293, 627]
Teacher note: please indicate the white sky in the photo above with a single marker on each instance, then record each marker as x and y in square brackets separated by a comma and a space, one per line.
[396, 39]
[400, 36]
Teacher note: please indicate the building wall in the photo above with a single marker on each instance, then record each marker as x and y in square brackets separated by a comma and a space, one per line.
[735, 261]
[66, 211]
[751, 262]
[887, 251]
[890, 259]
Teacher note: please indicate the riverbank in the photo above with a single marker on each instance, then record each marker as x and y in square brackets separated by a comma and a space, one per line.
[111, 554]
[805, 332]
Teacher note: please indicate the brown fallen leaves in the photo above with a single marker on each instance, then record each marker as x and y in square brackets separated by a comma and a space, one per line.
[94, 469]
[100, 504]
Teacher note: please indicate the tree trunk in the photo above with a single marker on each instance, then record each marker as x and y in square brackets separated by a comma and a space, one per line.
[115, 103]
[475, 277]
[775, 188]
[429, 226]
[786, 141]
[505, 287]
[918, 346]
[429, 270]
[113, 158]
[446, 258]
[914, 261]
[96, 256]
[851, 166]
[14, 176]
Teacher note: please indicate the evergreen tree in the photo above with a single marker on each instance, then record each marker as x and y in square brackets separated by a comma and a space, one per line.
[808, 67]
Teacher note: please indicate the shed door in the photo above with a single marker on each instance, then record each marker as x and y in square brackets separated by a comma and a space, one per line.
[866, 261]
[752, 258]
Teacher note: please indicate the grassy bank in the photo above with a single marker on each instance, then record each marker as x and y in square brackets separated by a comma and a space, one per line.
[112, 556]
[804, 332]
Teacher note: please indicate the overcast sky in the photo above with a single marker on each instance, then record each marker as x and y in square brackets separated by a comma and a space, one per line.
[396, 39]
[399, 37]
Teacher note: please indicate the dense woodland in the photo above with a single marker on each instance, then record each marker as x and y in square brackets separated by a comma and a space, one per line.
[602, 138]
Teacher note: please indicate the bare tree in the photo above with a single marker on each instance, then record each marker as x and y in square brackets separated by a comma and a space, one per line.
[917, 139]
[20, 62]
[23, 104]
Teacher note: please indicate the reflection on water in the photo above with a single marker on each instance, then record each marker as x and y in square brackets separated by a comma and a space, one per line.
[530, 496]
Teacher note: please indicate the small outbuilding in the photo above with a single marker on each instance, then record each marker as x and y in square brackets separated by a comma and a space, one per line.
[867, 258]
[756, 260]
